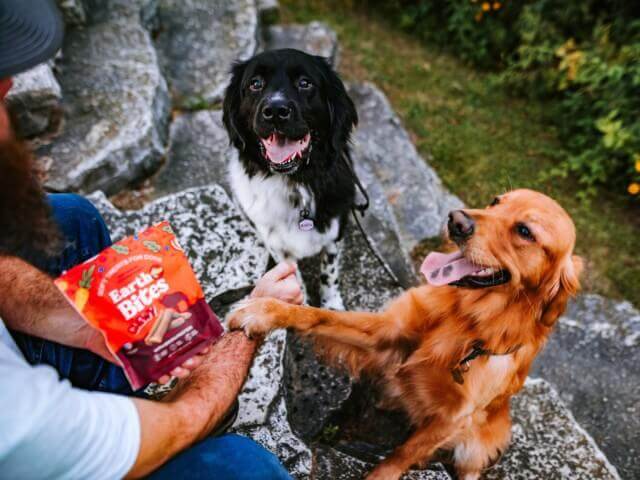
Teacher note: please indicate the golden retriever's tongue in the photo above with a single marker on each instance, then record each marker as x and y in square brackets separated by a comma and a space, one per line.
[442, 269]
[280, 149]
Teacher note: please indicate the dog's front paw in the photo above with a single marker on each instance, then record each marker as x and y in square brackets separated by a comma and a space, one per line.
[256, 316]
[385, 472]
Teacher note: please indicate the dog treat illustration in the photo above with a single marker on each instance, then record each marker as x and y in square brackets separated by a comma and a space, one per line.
[120, 249]
[142, 294]
[151, 245]
[167, 320]
[82, 294]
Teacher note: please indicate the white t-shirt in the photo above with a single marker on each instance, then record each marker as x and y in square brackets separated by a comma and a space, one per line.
[48, 429]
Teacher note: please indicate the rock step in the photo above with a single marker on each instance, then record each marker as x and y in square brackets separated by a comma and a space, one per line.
[592, 358]
[418, 198]
[116, 107]
[35, 99]
[73, 12]
[198, 153]
[198, 41]
[315, 38]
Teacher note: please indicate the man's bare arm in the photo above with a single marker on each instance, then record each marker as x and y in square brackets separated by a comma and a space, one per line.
[167, 428]
[31, 303]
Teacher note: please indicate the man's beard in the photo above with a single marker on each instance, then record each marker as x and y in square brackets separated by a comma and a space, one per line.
[27, 229]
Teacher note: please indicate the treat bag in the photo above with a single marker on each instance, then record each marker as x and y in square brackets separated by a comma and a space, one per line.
[144, 297]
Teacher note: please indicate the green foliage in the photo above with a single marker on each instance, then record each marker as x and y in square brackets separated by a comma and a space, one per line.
[584, 55]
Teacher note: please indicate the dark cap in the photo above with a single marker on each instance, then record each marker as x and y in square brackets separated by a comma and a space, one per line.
[31, 32]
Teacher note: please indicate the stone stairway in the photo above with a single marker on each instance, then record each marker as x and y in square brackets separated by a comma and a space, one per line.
[134, 107]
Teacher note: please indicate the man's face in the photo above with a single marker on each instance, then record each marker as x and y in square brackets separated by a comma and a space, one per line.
[26, 227]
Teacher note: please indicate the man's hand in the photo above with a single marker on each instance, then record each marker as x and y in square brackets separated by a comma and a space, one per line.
[196, 406]
[280, 282]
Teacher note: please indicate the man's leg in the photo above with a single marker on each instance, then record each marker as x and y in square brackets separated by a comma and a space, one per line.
[85, 234]
[223, 458]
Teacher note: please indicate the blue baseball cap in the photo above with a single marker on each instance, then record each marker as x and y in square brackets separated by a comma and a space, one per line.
[31, 32]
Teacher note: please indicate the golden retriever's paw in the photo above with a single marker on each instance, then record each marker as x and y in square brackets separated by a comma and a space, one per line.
[256, 316]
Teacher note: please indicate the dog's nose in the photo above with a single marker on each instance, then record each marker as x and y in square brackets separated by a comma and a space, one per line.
[460, 225]
[278, 110]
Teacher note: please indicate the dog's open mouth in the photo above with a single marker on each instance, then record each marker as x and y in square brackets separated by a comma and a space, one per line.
[455, 269]
[285, 154]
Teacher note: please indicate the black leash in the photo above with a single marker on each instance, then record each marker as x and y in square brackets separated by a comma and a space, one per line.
[362, 208]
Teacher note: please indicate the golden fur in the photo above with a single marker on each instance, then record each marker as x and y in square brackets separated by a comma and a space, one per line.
[415, 343]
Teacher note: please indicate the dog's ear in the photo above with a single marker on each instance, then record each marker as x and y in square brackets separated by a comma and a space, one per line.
[231, 106]
[342, 112]
[565, 285]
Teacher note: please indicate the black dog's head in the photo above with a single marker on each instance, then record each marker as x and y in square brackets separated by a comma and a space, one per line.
[282, 105]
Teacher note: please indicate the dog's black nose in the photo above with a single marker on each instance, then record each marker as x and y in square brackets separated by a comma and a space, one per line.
[276, 109]
[460, 225]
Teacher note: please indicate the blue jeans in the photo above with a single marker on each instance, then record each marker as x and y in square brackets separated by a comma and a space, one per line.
[222, 458]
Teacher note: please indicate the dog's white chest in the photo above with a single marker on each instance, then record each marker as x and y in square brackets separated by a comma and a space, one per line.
[485, 381]
[267, 201]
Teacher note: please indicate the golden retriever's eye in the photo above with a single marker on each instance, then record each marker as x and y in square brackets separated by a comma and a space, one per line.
[494, 202]
[304, 84]
[524, 232]
[256, 84]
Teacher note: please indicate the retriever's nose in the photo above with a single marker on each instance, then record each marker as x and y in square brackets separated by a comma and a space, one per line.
[460, 225]
[276, 110]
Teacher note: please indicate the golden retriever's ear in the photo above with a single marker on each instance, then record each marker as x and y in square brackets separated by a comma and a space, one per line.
[566, 285]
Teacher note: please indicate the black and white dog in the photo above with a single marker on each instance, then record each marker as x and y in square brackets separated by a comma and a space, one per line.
[290, 117]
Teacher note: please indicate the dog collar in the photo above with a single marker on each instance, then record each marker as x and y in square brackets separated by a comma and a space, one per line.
[476, 351]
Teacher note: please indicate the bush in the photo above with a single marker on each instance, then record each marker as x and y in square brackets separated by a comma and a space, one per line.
[583, 55]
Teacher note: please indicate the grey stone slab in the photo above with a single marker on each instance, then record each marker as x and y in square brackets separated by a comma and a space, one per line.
[269, 11]
[364, 283]
[263, 413]
[222, 246]
[314, 391]
[315, 38]
[336, 465]
[592, 358]
[418, 198]
[34, 100]
[198, 153]
[73, 12]
[381, 226]
[198, 41]
[548, 442]
[116, 108]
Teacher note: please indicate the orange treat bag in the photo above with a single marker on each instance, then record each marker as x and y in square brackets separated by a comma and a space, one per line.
[142, 294]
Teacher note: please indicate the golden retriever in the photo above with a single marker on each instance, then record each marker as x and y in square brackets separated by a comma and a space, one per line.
[451, 353]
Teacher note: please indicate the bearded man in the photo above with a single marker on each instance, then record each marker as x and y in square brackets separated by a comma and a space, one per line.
[66, 409]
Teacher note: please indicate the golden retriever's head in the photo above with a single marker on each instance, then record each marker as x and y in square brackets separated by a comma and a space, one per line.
[523, 241]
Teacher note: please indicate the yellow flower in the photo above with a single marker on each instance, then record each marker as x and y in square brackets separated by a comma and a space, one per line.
[637, 159]
[486, 6]
[496, 5]
[634, 188]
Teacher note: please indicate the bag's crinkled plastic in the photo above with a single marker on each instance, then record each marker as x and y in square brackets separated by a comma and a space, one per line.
[142, 294]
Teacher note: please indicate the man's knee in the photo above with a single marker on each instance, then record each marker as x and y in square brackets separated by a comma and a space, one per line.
[227, 457]
[84, 230]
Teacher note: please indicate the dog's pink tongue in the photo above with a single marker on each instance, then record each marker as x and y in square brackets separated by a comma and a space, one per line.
[280, 149]
[442, 269]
